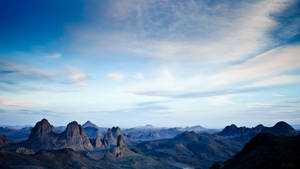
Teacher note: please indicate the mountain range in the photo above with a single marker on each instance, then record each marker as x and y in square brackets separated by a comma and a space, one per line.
[135, 135]
[115, 148]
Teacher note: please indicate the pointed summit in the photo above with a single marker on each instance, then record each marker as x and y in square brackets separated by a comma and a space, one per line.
[89, 124]
[42, 128]
[229, 130]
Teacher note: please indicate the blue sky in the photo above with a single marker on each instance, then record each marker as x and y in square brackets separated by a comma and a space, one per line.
[160, 62]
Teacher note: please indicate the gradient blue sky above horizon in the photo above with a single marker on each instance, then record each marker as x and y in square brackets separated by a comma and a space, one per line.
[159, 62]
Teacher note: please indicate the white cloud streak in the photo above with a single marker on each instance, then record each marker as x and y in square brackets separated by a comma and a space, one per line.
[115, 76]
[54, 56]
[138, 75]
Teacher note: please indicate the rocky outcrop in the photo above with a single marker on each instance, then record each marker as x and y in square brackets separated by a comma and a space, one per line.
[121, 150]
[4, 141]
[42, 137]
[75, 137]
[98, 142]
[42, 128]
[110, 138]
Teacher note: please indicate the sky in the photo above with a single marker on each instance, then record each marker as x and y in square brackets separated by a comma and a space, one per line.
[161, 62]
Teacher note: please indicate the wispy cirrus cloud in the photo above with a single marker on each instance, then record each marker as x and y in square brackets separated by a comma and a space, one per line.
[269, 64]
[17, 77]
[17, 103]
[11, 71]
[209, 32]
[272, 68]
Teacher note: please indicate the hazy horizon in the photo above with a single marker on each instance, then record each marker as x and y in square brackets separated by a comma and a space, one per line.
[163, 62]
[295, 126]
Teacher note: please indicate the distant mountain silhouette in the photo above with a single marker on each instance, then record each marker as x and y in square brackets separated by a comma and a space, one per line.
[149, 132]
[92, 130]
[266, 151]
[89, 124]
[280, 129]
[245, 134]
[16, 135]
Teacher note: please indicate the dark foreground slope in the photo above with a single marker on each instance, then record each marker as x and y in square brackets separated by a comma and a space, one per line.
[70, 159]
[52, 159]
[190, 149]
[266, 151]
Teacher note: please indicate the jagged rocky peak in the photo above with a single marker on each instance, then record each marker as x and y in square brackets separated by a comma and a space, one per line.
[116, 131]
[110, 138]
[41, 128]
[74, 130]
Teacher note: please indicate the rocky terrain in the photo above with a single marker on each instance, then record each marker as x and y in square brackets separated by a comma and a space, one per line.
[43, 137]
[120, 158]
[4, 141]
[191, 150]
